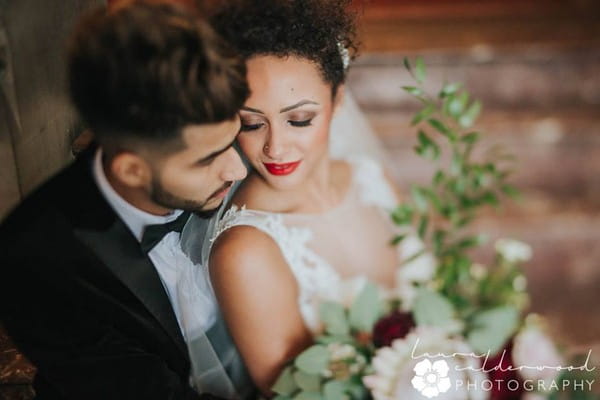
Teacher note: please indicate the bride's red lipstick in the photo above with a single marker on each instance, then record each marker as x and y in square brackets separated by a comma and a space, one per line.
[281, 169]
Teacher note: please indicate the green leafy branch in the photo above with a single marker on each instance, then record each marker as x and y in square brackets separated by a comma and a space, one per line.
[461, 185]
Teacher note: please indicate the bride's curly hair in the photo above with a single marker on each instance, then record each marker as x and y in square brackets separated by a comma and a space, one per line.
[317, 30]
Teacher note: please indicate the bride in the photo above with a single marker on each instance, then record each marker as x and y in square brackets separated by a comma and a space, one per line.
[303, 222]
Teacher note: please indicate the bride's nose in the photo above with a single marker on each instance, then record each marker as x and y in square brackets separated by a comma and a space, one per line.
[274, 146]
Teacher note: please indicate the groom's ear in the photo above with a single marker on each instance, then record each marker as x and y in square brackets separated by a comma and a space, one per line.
[131, 170]
[338, 99]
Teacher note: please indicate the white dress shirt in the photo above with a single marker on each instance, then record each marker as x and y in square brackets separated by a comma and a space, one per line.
[187, 284]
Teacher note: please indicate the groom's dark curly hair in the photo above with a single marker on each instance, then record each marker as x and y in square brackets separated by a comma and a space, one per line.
[144, 71]
[308, 29]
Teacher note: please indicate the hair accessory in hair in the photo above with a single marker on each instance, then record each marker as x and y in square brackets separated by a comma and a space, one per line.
[345, 54]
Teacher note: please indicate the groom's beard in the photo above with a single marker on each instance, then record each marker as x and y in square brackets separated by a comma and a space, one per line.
[165, 199]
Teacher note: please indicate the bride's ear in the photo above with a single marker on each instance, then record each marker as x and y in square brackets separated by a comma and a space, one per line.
[338, 100]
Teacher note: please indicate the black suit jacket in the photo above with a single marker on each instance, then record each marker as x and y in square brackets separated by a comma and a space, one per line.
[83, 302]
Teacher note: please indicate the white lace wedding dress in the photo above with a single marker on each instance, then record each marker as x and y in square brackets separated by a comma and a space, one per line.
[332, 254]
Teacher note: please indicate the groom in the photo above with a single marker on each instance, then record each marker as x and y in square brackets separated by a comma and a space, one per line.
[93, 255]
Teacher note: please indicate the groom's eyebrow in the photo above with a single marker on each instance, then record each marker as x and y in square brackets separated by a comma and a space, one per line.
[254, 110]
[218, 152]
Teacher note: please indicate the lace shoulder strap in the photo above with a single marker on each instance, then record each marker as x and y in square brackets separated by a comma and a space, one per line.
[291, 240]
[316, 279]
[374, 189]
[270, 223]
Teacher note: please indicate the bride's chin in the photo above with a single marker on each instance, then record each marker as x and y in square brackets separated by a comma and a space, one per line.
[282, 182]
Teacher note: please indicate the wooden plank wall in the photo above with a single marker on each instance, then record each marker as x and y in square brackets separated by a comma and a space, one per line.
[36, 119]
[36, 123]
[535, 65]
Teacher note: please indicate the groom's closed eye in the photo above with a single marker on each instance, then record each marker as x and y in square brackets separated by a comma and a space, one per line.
[212, 156]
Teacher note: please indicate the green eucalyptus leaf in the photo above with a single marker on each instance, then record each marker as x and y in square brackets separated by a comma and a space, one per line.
[357, 391]
[442, 128]
[471, 137]
[439, 177]
[365, 309]
[307, 382]
[398, 239]
[334, 317]
[510, 190]
[456, 165]
[403, 214]
[419, 198]
[470, 241]
[433, 198]
[313, 360]
[328, 339]
[439, 236]
[469, 117]
[423, 114]
[455, 106]
[423, 223]
[427, 147]
[491, 329]
[280, 397]
[336, 390]
[490, 198]
[420, 72]
[415, 91]
[308, 396]
[406, 62]
[285, 385]
[464, 221]
[432, 309]
[450, 88]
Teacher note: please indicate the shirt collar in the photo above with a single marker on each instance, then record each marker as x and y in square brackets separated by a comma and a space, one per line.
[135, 219]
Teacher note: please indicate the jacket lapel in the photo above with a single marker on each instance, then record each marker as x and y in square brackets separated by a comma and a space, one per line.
[121, 253]
[99, 227]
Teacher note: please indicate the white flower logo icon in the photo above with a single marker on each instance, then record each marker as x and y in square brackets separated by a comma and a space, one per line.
[431, 379]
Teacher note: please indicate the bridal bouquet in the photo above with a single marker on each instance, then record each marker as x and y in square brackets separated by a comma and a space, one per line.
[452, 328]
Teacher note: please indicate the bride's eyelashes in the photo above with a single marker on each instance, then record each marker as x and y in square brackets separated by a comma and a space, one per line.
[251, 127]
[245, 127]
[300, 124]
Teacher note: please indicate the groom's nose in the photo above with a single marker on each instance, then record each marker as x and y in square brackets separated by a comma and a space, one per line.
[234, 169]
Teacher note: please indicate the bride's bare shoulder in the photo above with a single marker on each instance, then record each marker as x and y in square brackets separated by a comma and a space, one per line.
[255, 194]
[242, 247]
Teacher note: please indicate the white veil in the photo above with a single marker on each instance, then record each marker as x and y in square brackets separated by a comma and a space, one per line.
[351, 135]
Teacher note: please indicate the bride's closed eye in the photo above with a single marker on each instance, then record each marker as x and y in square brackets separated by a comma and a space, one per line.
[251, 126]
[300, 124]
[301, 119]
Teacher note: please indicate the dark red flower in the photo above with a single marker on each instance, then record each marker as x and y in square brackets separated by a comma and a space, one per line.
[394, 326]
[501, 377]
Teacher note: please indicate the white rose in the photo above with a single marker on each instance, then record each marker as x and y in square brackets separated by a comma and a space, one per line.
[532, 350]
[422, 268]
[513, 251]
[400, 376]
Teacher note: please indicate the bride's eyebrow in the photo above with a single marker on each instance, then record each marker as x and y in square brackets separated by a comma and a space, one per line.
[284, 109]
[298, 104]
